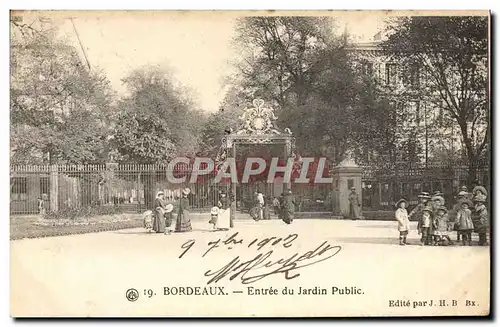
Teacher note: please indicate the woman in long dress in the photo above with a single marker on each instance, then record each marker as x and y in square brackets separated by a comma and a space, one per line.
[224, 216]
[354, 205]
[183, 223]
[159, 219]
[288, 208]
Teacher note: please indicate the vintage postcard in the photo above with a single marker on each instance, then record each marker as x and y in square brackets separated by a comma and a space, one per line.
[250, 164]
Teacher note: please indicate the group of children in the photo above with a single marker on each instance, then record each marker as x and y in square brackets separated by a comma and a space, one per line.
[435, 221]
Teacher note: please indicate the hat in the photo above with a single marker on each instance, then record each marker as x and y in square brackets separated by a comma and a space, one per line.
[401, 200]
[468, 202]
[429, 209]
[462, 193]
[424, 195]
[353, 188]
[147, 213]
[480, 198]
[159, 193]
[480, 189]
[169, 207]
[214, 211]
[438, 193]
[186, 191]
[438, 198]
[442, 208]
[464, 188]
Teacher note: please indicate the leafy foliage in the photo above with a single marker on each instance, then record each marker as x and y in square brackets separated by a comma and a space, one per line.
[142, 138]
[58, 107]
[157, 119]
[309, 75]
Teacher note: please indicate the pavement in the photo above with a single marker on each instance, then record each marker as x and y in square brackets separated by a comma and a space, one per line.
[359, 264]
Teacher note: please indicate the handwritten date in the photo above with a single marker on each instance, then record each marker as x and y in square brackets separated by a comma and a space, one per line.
[266, 264]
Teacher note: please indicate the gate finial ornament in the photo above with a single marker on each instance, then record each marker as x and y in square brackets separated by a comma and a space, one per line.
[258, 119]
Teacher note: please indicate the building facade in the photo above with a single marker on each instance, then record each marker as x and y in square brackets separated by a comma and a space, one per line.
[423, 123]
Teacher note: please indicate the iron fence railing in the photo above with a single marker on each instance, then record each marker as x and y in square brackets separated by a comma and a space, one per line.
[133, 187]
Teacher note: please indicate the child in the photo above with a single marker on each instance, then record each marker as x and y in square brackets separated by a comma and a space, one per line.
[214, 213]
[41, 206]
[148, 220]
[482, 226]
[452, 215]
[479, 191]
[441, 227]
[425, 225]
[464, 222]
[403, 221]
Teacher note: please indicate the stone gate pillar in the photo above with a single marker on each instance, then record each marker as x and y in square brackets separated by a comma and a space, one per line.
[54, 188]
[345, 176]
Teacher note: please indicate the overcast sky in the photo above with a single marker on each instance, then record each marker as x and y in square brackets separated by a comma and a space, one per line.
[196, 46]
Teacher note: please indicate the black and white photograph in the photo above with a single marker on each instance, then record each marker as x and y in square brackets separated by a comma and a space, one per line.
[250, 163]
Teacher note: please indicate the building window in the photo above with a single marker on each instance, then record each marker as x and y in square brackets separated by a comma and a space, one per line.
[350, 183]
[18, 188]
[368, 69]
[390, 74]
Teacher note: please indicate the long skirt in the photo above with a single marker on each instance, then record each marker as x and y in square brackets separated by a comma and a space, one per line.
[183, 223]
[267, 213]
[255, 213]
[224, 219]
[159, 222]
[287, 216]
[354, 212]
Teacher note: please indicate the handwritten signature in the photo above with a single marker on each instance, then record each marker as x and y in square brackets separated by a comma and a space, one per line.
[267, 265]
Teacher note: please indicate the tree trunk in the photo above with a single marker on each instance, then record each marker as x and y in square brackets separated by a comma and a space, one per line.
[471, 174]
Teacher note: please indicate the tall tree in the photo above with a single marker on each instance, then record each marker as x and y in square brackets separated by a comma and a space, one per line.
[58, 107]
[308, 73]
[153, 96]
[453, 52]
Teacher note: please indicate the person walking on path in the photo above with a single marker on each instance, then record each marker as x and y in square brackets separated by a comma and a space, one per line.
[288, 209]
[267, 208]
[354, 205]
[183, 223]
[276, 206]
[159, 219]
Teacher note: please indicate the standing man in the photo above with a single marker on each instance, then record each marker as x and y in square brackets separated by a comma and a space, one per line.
[267, 207]
[276, 205]
[159, 210]
[354, 204]
[260, 205]
[288, 209]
